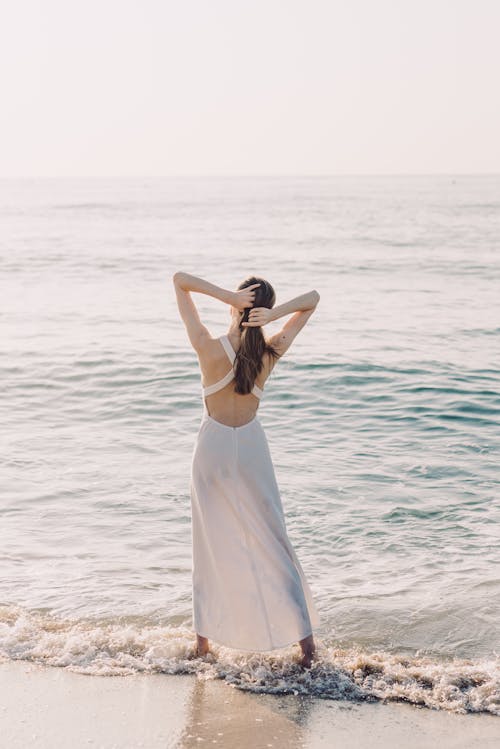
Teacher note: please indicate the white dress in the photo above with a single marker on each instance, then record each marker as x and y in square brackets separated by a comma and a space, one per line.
[249, 589]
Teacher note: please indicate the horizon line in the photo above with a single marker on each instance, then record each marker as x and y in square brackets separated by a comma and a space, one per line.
[251, 176]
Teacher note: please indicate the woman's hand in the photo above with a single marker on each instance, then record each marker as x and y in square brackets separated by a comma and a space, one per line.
[258, 316]
[244, 297]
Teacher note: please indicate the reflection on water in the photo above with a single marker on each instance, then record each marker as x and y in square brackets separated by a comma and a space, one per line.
[216, 713]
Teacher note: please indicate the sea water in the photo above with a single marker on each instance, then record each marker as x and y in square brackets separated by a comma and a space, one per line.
[382, 420]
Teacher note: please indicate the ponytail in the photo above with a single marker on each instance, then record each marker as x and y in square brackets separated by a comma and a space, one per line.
[249, 357]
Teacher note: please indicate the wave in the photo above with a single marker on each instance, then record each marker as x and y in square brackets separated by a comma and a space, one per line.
[129, 645]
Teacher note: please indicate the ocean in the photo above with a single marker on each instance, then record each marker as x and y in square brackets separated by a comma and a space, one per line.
[382, 420]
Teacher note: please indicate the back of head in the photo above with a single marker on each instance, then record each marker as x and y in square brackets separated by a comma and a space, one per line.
[253, 346]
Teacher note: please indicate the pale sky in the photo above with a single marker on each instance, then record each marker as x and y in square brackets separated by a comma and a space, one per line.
[255, 87]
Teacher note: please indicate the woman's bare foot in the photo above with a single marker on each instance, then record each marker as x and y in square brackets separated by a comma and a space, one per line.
[308, 651]
[201, 645]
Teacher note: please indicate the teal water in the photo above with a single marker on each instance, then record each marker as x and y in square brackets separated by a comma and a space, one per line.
[382, 419]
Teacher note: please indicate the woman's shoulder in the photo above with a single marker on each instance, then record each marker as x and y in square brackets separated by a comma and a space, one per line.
[269, 359]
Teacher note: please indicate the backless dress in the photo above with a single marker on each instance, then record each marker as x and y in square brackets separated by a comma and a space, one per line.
[249, 591]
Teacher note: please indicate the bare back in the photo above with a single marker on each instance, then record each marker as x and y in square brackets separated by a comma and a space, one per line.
[226, 406]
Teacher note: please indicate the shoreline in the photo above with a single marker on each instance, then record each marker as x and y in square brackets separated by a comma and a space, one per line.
[47, 706]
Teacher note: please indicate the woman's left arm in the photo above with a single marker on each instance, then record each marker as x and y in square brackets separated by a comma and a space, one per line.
[187, 282]
[184, 283]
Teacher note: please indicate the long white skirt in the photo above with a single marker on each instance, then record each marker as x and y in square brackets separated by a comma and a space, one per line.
[249, 589]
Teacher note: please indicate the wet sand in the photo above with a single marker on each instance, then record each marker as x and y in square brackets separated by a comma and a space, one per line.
[51, 707]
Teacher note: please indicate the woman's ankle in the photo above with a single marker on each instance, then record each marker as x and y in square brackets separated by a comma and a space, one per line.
[202, 645]
[307, 645]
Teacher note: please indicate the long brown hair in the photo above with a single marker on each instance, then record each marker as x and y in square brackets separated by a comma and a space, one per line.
[253, 346]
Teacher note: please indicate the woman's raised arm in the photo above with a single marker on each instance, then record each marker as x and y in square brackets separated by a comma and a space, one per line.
[301, 303]
[259, 316]
[187, 282]
[184, 283]
[239, 299]
[302, 306]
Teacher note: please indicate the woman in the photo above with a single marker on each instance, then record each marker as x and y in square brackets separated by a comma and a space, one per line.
[249, 590]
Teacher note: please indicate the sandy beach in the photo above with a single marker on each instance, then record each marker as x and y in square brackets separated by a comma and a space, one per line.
[51, 707]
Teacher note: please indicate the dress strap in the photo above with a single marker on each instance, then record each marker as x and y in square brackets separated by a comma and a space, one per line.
[228, 348]
[224, 339]
[256, 390]
[210, 389]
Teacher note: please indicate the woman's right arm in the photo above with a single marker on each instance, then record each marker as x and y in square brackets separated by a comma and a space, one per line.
[259, 316]
[300, 303]
[302, 306]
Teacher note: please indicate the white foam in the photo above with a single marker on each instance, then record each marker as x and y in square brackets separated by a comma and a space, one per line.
[119, 647]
